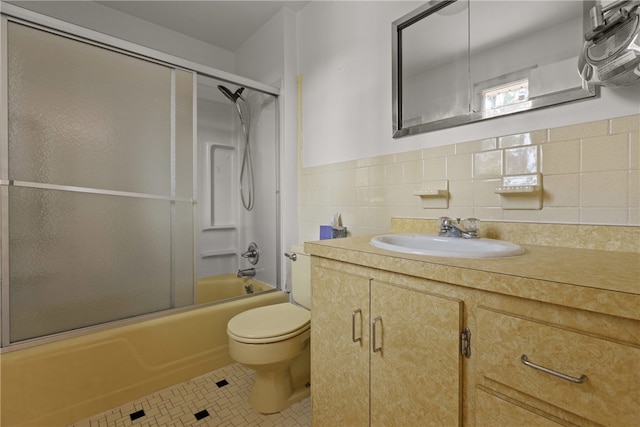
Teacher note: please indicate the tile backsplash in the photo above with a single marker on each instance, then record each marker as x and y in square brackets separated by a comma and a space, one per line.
[591, 175]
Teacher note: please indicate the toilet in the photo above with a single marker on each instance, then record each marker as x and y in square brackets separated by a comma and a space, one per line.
[273, 341]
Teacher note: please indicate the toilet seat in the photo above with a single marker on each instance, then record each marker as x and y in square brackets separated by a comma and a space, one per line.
[271, 323]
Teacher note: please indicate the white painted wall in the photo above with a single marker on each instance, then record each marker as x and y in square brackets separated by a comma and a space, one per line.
[345, 62]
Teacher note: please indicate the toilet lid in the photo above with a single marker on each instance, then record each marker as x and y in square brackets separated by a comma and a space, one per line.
[277, 321]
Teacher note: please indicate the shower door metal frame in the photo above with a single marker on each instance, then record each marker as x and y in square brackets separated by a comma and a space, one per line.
[4, 189]
[10, 12]
[6, 183]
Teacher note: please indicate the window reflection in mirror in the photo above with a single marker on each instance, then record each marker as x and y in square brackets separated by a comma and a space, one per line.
[457, 62]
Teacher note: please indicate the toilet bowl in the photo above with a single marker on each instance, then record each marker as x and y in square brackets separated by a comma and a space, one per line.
[273, 341]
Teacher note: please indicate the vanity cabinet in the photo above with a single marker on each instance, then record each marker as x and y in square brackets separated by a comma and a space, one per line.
[386, 346]
[383, 354]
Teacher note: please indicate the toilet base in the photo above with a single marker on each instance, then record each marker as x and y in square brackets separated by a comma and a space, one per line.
[269, 397]
[276, 390]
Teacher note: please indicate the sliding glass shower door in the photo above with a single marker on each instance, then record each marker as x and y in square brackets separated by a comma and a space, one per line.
[96, 186]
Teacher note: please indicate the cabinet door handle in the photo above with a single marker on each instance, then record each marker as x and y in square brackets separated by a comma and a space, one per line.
[376, 349]
[566, 377]
[353, 326]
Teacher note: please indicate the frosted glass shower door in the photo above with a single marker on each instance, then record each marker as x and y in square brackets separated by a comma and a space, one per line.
[98, 183]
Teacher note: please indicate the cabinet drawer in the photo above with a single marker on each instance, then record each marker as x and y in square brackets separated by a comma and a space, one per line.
[494, 411]
[610, 395]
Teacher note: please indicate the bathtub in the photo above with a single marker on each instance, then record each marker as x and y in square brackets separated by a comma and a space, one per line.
[216, 288]
[62, 382]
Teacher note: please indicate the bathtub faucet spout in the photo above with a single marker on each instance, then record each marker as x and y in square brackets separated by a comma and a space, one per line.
[247, 272]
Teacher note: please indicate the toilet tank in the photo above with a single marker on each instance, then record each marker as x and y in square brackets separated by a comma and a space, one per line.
[301, 277]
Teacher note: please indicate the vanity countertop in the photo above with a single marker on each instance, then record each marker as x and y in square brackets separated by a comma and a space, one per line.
[594, 280]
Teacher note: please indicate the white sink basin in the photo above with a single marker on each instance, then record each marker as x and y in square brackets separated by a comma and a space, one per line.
[455, 247]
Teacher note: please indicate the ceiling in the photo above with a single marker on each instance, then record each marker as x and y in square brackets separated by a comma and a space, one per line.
[226, 24]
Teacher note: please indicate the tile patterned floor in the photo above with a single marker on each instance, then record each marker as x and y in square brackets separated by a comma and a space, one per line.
[219, 398]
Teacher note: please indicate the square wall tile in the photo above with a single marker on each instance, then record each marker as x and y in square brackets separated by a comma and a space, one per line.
[341, 178]
[582, 130]
[561, 191]
[634, 216]
[634, 150]
[487, 164]
[399, 195]
[376, 196]
[610, 216]
[560, 215]
[625, 124]
[412, 172]
[604, 189]
[484, 193]
[361, 177]
[376, 175]
[460, 167]
[342, 197]
[363, 196]
[488, 214]
[408, 156]
[522, 215]
[434, 169]
[523, 160]
[460, 193]
[528, 138]
[560, 158]
[382, 160]
[634, 189]
[608, 153]
[476, 146]
[442, 151]
[393, 174]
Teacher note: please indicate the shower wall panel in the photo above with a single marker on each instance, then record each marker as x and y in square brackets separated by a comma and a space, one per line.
[227, 228]
[218, 183]
[224, 205]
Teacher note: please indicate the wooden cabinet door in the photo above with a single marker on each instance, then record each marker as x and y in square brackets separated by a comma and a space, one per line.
[339, 349]
[415, 367]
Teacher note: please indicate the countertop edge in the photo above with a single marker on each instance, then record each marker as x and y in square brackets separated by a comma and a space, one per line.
[519, 280]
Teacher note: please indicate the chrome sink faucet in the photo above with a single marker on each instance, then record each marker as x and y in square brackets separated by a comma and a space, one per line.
[453, 228]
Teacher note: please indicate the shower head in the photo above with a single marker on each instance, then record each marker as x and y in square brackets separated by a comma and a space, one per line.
[233, 97]
[243, 108]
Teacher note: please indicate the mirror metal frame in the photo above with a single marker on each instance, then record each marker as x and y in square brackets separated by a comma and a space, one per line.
[561, 97]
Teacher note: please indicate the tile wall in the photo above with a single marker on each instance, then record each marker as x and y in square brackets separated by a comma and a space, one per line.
[591, 175]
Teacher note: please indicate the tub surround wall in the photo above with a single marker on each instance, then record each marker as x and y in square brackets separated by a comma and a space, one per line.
[66, 381]
[591, 175]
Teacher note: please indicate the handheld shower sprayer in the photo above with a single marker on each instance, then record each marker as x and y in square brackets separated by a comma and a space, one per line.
[246, 172]
[233, 97]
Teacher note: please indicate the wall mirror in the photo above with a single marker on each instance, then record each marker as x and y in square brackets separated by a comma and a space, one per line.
[461, 61]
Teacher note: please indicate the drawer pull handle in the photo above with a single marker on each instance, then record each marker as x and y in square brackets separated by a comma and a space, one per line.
[580, 380]
[353, 326]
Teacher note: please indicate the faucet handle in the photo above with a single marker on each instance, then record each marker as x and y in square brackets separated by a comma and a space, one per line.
[444, 221]
[471, 224]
